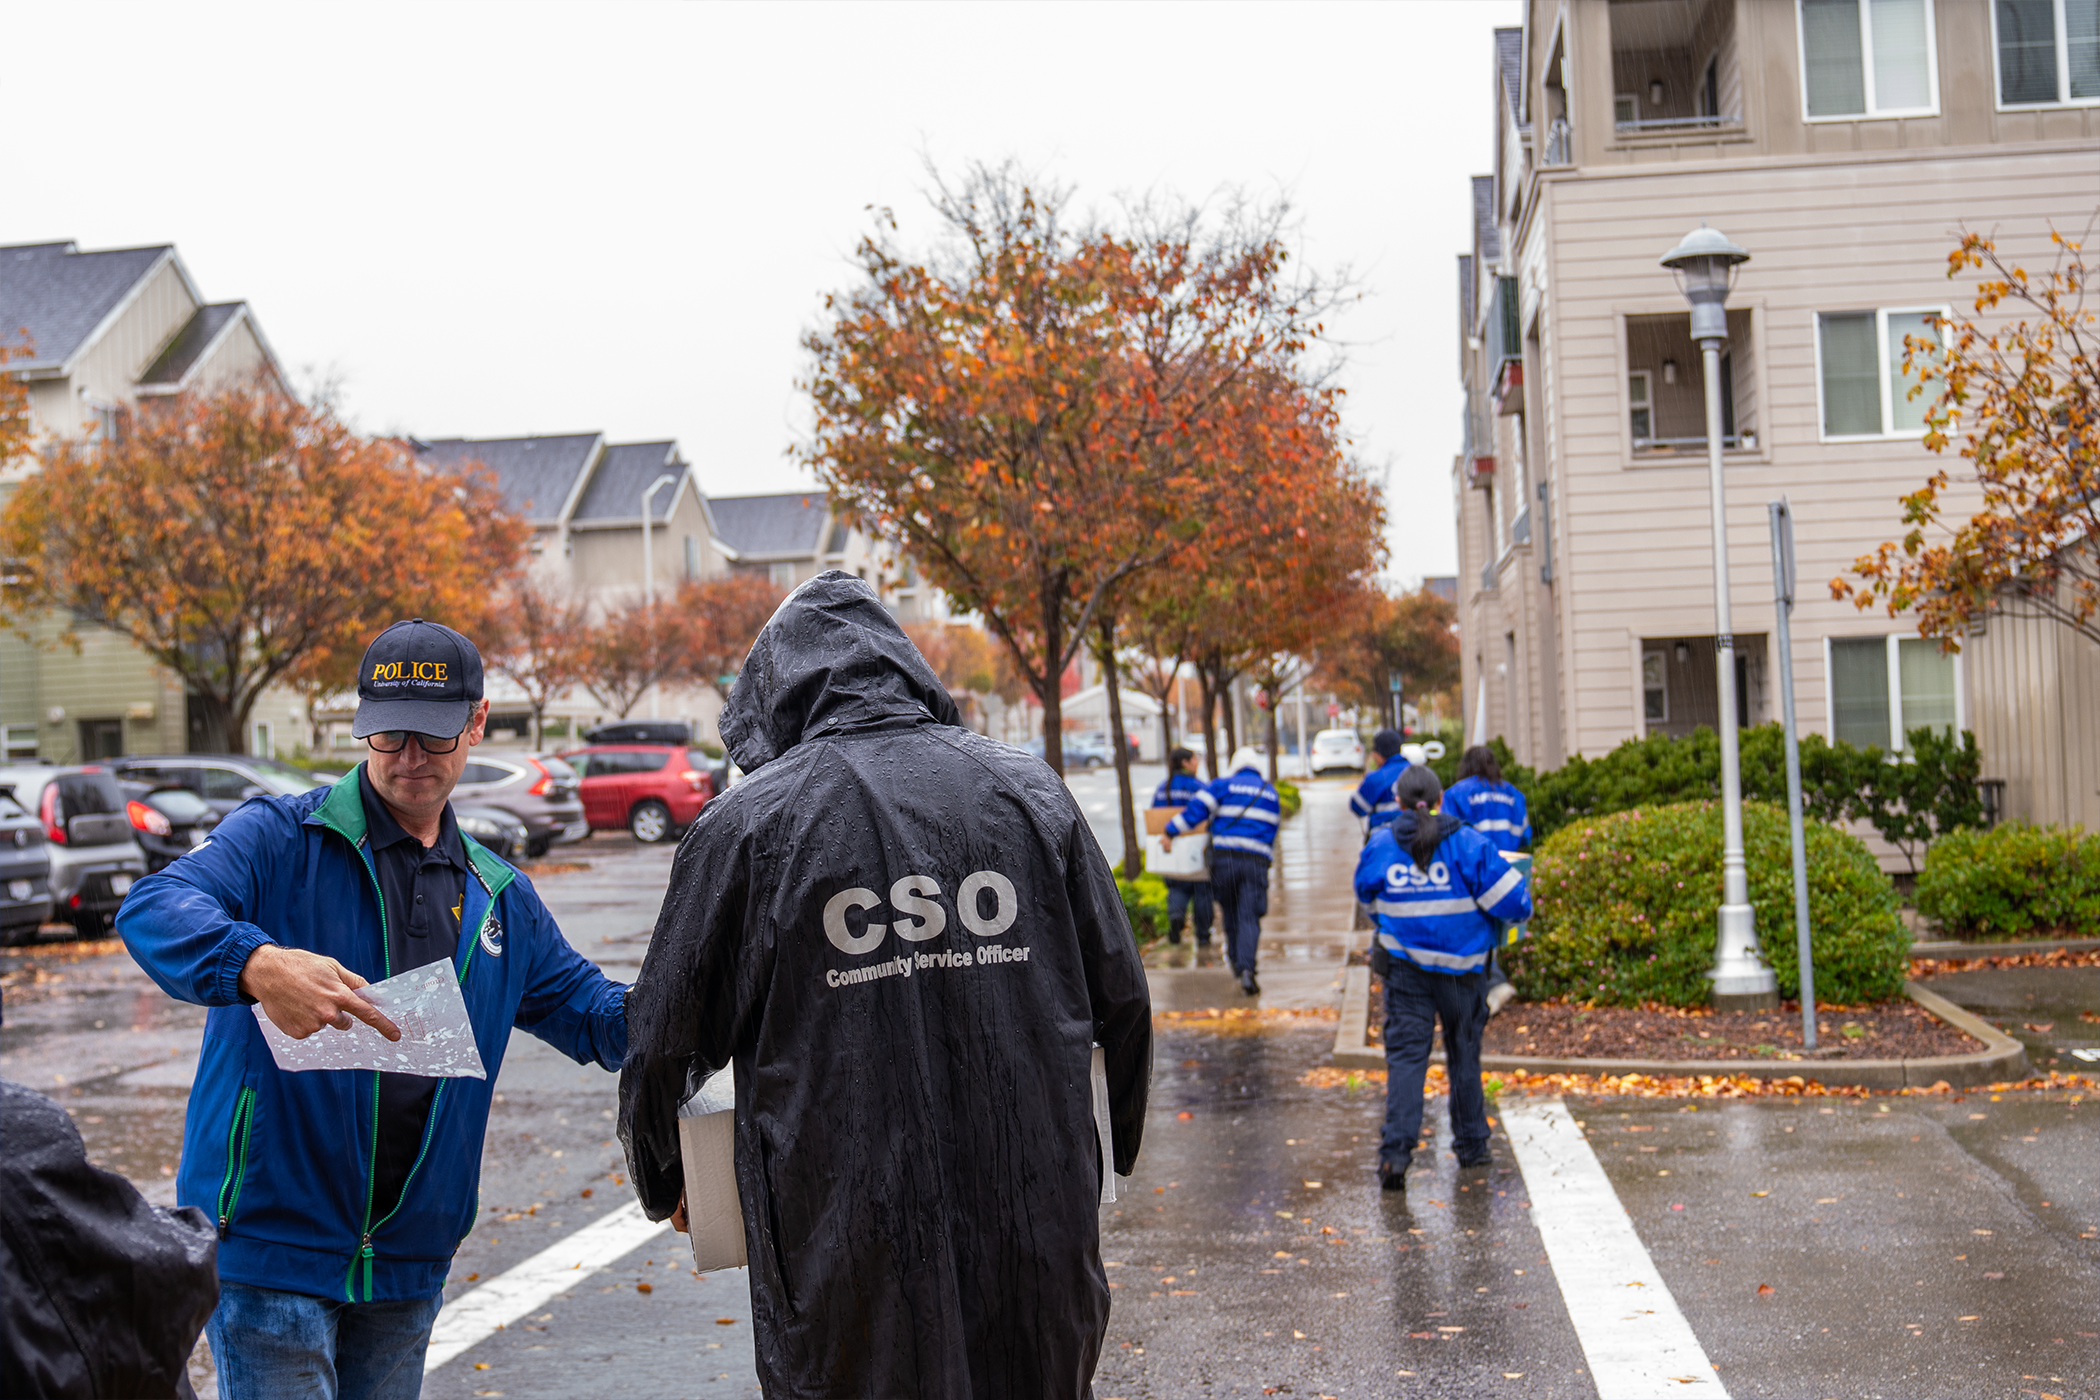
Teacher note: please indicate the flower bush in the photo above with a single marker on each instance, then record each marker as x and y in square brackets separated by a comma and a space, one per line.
[1145, 902]
[2013, 881]
[1626, 908]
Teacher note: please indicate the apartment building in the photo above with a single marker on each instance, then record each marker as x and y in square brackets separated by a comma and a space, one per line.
[1845, 144]
[792, 536]
[108, 328]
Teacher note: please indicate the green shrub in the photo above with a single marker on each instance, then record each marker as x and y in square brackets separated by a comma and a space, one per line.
[1145, 901]
[1626, 907]
[1288, 797]
[2011, 881]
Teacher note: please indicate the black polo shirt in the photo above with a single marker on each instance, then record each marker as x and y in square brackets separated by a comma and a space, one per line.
[423, 889]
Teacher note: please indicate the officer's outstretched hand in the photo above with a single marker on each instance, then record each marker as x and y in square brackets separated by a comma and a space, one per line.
[301, 992]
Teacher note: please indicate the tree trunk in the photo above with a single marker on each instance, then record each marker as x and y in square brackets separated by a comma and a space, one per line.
[1275, 748]
[538, 724]
[1133, 855]
[1208, 699]
[1232, 725]
[1052, 691]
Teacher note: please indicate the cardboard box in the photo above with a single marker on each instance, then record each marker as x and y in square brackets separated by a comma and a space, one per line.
[1156, 819]
[707, 1142]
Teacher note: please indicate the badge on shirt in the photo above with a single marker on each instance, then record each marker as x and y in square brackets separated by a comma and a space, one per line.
[492, 935]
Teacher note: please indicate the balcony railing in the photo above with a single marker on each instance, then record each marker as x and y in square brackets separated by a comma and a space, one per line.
[1694, 444]
[1560, 143]
[1665, 124]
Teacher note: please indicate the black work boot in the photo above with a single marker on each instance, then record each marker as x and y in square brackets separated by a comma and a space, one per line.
[1174, 935]
[1392, 1176]
[1248, 984]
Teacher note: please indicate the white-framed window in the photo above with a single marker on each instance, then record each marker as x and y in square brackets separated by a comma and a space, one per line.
[1640, 402]
[1867, 58]
[1881, 688]
[1862, 390]
[2048, 52]
[781, 575]
[1655, 687]
[1625, 109]
[21, 743]
[261, 747]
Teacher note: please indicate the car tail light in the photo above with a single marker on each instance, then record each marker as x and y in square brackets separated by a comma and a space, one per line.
[54, 829]
[545, 784]
[148, 820]
[694, 779]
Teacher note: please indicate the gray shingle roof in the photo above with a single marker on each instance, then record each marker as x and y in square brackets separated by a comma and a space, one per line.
[758, 526]
[1509, 58]
[1487, 234]
[624, 472]
[536, 473]
[59, 294]
[184, 350]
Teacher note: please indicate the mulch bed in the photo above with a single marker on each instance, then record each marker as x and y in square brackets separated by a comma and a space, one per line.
[1559, 1030]
[2055, 957]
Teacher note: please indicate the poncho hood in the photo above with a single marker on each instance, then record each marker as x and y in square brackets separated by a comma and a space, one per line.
[831, 661]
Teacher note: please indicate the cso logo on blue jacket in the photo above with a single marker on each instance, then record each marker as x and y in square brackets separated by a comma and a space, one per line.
[1405, 875]
[492, 935]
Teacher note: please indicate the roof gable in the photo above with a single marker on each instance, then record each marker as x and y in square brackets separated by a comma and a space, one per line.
[62, 296]
[791, 523]
[187, 350]
[614, 492]
[1487, 234]
[538, 475]
[1509, 61]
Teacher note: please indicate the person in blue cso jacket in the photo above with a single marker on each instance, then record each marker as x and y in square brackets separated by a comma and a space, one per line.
[339, 1196]
[1244, 813]
[1436, 888]
[1373, 801]
[1178, 791]
[1494, 808]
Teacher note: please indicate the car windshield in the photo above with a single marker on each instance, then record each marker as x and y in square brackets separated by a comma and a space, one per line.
[282, 778]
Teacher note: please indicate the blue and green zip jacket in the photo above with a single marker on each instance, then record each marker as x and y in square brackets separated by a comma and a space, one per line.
[281, 1161]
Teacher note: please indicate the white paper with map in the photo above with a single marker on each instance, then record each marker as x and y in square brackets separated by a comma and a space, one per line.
[437, 1039]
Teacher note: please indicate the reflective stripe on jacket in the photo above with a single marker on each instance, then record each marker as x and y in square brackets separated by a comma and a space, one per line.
[1442, 919]
[1373, 800]
[1495, 810]
[1242, 811]
[1178, 790]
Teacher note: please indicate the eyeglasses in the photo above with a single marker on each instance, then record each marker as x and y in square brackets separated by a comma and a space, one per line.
[395, 740]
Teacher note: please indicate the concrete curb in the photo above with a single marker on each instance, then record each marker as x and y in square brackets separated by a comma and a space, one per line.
[1950, 949]
[2001, 1058]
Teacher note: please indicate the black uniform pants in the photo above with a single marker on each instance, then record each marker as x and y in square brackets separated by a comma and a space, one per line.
[1241, 882]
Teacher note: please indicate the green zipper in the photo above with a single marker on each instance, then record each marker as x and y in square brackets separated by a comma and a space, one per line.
[386, 954]
[237, 1134]
[365, 1251]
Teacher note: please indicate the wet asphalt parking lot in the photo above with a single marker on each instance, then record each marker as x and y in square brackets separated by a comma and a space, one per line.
[1928, 1245]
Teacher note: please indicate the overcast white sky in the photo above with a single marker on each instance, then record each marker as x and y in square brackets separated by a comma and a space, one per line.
[489, 220]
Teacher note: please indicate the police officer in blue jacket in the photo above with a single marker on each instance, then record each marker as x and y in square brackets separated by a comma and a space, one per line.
[1244, 814]
[1373, 800]
[340, 1195]
[1436, 888]
[1179, 790]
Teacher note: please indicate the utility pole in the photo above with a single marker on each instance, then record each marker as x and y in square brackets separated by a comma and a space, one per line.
[649, 569]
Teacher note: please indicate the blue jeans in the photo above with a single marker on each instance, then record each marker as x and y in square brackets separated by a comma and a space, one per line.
[1240, 882]
[273, 1345]
[1415, 1001]
[1180, 894]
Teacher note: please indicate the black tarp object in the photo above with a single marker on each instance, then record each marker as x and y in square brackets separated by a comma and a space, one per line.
[101, 1293]
[916, 1149]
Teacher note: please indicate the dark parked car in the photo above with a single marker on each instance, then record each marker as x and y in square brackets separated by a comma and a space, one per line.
[167, 822]
[1079, 752]
[540, 791]
[675, 732]
[493, 827]
[225, 780]
[653, 791]
[25, 874]
[93, 856]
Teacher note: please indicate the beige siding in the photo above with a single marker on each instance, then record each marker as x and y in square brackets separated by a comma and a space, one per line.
[2034, 701]
[1823, 238]
[111, 367]
[237, 360]
[108, 678]
[608, 561]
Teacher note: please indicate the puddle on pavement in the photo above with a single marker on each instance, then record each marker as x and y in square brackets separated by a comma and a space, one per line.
[2050, 1010]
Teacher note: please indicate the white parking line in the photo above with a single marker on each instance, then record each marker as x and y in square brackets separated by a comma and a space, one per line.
[555, 1269]
[1636, 1341]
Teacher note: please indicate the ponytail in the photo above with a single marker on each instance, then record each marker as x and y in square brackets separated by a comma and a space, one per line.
[1419, 792]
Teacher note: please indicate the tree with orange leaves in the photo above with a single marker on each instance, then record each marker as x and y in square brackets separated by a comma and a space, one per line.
[1378, 632]
[2024, 401]
[723, 617]
[536, 637]
[238, 536]
[1036, 414]
[14, 402]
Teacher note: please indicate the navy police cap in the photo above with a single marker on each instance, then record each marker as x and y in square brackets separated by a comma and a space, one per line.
[419, 676]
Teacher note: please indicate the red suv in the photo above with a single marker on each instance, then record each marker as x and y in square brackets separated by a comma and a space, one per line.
[652, 790]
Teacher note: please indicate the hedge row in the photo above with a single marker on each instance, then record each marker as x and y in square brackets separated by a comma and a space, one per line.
[2013, 882]
[1626, 904]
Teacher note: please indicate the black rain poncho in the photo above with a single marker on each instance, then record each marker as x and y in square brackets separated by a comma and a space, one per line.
[101, 1292]
[906, 938]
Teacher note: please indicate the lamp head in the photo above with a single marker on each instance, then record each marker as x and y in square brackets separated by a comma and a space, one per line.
[1704, 265]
